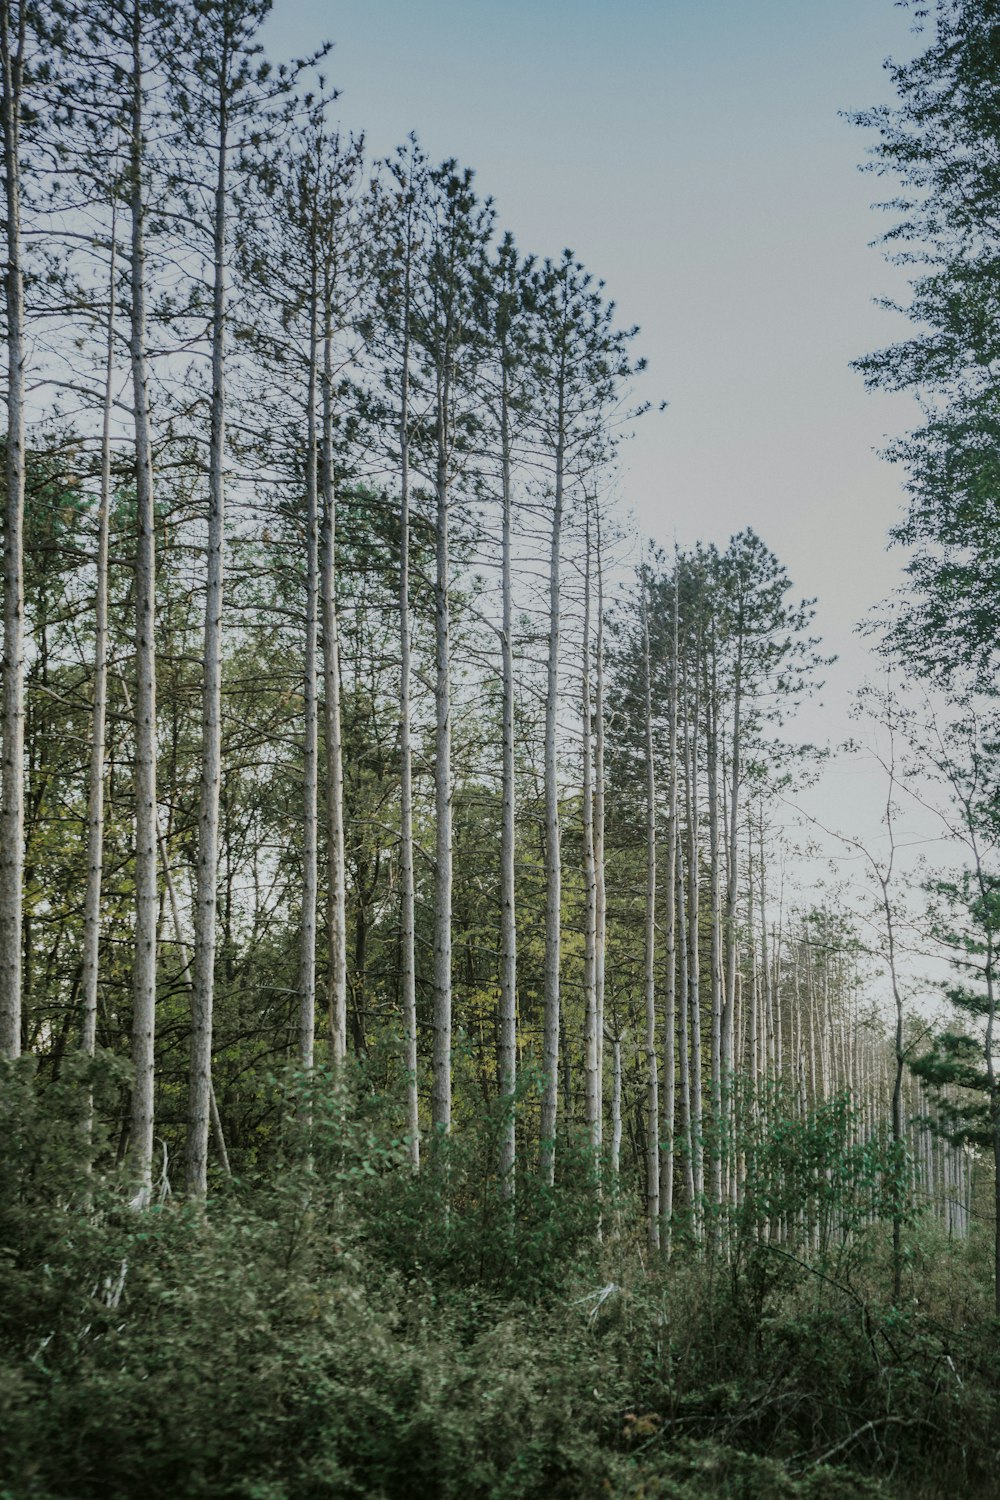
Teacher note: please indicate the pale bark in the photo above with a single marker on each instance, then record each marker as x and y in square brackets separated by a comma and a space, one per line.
[12, 42]
[442, 981]
[553, 857]
[732, 887]
[753, 1038]
[508, 927]
[616, 1105]
[670, 906]
[184, 947]
[811, 1000]
[649, 952]
[600, 889]
[336, 907]
[766, 999]
[715, 1139]
[99, 707]
[683, 978]
[407, 921]
[591, 1081]
[694, 964]
[144, 964]
[207, 870]
[310, 756]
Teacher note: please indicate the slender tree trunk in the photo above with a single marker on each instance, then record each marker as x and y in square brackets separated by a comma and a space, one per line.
[649, 956]
[183, 947]
[811, 1003]
[898, 1142]
[207, 880]
[670, 904]
[310, 759]
[992, 1081]
[508, 927]
[600, 887]
[144, 963]
[687, 1133]
[441, 1082]
[732, 887]
[553, 863]
[767, 1007]
[99, 708]
[616, 1105]
[715, 904]
[12, 40]
[694, 961]
[336, 906]
[592, 1080]
[407, 900]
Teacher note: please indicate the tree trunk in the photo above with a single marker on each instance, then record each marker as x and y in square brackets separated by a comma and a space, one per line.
[441, 1080]
[694, 962]
[592, 1082]
[98, 716]
[553, 860]
[616, 1105]
[144, 963]
[183, 947]
[207, 881]
[310, 759]
[336, 908]
[12, 40]
[407, 899]
[600, 890]
[649, 955]
[732, 887]
[683, 982]
[670, 904]
[715, 903]
[508, 928]
[992, 1084]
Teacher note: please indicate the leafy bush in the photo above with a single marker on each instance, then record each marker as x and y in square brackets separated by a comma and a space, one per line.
[342, 1328]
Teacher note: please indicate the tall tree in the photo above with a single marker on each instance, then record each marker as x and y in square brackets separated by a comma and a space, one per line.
[409, 180]
[649, 946]
[670, 913]
[600, 875]
[581, 364]
[98, 729]
[13, 40]
[506, 301]
[227, 102]
[446, 329]
[593, 1099]
[146, 897]
[344, 211]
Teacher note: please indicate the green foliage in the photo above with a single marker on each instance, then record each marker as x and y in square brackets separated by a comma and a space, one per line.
[938, 144]
[340, 1327]
[819, 1174]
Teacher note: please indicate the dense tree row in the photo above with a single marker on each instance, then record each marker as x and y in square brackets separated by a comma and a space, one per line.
[396, 851]
[313, 522]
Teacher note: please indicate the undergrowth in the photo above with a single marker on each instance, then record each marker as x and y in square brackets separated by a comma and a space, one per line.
[341, 1328]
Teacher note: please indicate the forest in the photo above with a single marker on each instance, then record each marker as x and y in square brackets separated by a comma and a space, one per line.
[427, 1069]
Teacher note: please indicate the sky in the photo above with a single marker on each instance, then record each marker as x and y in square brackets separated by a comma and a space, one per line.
[693, 154]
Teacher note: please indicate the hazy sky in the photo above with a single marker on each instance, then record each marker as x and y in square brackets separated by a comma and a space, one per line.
[692, 154]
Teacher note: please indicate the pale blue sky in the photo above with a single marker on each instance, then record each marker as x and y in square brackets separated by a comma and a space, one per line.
[690, 151]
[692, 155]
